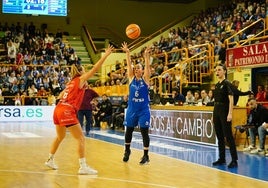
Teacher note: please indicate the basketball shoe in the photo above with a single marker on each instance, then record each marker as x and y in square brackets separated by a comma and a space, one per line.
[126, 155]
[249, 148]
[50, 163]
[86, 170]
[144, 160]
[258, 151]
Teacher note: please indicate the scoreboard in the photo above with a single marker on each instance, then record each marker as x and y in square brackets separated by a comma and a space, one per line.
[35, 7]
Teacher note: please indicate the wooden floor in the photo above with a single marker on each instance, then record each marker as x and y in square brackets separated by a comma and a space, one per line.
[24, 148]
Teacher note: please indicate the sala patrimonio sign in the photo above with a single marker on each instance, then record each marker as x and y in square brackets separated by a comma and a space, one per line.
[250, 55]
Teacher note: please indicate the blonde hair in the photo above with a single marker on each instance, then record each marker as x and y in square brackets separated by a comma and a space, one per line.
[76, 70]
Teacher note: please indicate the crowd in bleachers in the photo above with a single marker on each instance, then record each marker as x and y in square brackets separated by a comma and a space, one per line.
[36, 65]
[39, 59]
[212, 27]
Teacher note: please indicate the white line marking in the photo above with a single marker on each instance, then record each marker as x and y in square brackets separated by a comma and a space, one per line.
[87, 176]
[20, 135]
[139, 140]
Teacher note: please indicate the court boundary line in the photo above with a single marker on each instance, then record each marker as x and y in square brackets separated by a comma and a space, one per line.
[87, 176]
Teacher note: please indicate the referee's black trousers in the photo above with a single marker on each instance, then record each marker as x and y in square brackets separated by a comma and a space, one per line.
[223, 130]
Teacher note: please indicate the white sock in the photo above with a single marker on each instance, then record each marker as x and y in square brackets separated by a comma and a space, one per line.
[82, 162]
[51, 156]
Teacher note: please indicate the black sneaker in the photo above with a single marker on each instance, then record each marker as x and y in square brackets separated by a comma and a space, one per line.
[232, 164]
[126, 156]
[144, 160]
[219, 162]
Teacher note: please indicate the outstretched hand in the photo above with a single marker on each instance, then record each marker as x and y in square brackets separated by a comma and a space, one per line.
[147, 51]
[109, 49]
[125, 47]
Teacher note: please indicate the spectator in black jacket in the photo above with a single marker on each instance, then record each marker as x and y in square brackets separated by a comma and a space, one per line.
[237, 92]
[106, 110]
[119, 114]
[177, 96]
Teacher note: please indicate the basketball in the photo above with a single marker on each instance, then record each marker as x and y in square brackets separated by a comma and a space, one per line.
[133, 31]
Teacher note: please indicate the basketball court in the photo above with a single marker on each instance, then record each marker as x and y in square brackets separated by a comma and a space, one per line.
[24, 148]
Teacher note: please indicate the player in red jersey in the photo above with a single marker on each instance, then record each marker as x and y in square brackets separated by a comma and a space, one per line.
[65, 113]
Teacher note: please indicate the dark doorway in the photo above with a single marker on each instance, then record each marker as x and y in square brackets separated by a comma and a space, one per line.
[259, 77]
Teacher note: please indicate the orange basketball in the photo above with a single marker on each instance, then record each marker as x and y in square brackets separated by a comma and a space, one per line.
[133, 31]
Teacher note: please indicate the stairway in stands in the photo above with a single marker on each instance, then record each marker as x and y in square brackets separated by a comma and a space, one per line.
[79, 47]
[3, 53]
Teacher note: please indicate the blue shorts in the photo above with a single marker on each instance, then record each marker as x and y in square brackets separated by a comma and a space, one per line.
[140, 118]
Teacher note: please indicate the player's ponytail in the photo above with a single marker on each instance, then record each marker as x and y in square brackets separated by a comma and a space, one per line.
[76, 70]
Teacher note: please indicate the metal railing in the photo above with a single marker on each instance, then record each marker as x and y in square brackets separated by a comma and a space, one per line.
[257, 31]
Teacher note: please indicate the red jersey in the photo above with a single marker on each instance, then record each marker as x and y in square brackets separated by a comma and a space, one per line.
[73, 95]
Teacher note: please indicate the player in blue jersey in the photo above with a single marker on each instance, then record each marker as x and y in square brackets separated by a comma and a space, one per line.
[138, 110]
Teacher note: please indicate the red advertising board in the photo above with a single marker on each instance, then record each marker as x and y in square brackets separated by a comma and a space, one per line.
[250, 55]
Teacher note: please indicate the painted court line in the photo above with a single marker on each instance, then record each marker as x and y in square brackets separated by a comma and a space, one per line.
[87, 177]
[20, 135]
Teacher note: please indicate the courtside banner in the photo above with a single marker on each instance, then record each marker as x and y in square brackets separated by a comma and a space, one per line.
[250, 55]
[26, 113]
[193, 126]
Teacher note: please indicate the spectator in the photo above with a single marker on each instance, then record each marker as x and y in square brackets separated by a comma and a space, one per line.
[204, 97]
[96, 112]
[119, 114]
[7, 100]
[17, 99]
[189, 99]
[260, 94]
[51, 99]
[32, 91]
[210, 98]
[257, 117]
[263, 131]
[166, 78]
[25, 99]
[42, 96]
[11, 52]
[106, 110]
[85, 110]
[222, 53]
[2, 99]
[177, 96]
[197, 98]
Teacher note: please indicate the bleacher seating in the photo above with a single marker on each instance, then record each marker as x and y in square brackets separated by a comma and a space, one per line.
[190, 51]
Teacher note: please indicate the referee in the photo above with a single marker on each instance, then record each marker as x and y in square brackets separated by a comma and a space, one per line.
[222, 117]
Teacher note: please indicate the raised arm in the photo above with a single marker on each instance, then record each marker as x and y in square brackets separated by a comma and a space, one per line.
[84, 77]
[147, 71]
[129, 65]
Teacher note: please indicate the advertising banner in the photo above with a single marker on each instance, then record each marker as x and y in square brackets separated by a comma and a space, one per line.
[250, 55]
[26, 113]
[195, 126]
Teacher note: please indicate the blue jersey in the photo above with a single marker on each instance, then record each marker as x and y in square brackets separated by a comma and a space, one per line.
[138, 110]
[138, 95]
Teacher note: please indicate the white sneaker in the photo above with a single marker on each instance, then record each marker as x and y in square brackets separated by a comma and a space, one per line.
[249, 148]
[86, 170]
[258, 151]
[50, 163]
